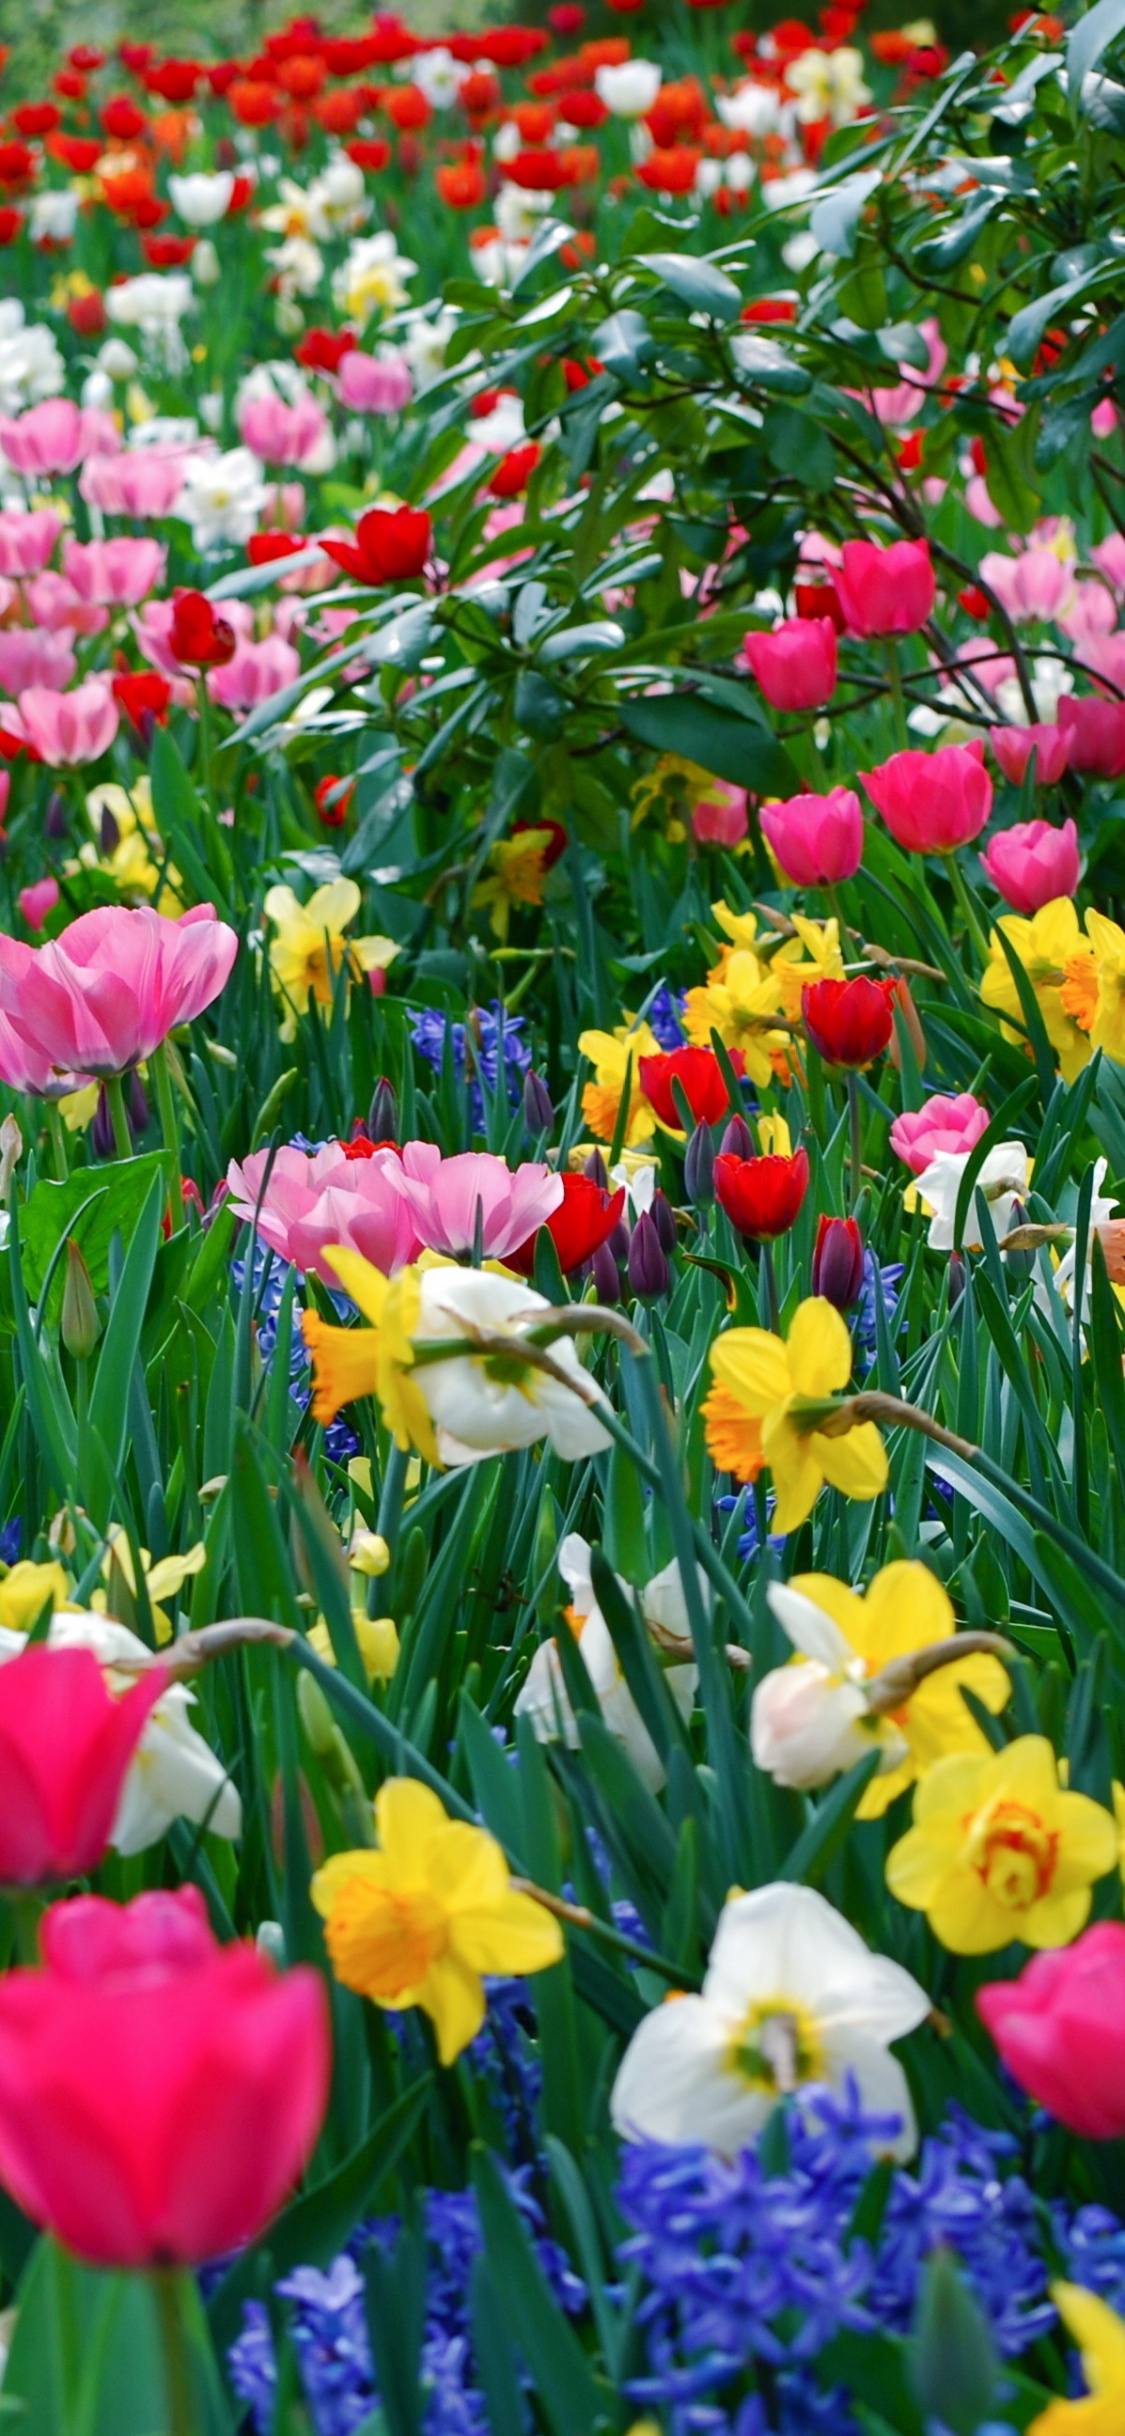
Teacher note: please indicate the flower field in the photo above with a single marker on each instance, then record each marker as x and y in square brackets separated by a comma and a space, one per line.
[562, 1231]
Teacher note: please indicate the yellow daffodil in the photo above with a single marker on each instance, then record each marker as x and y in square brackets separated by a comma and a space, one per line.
[1108, 943]
[811, 1718]
[768, 1406]
[673, 789]
[309, 948]
[130, 848]
[424, 1918]
[999, 1851]
[518, 867]
[1100, 2336]
[25, 1591]
[741, 930]
[378, 1644]
[609, 1054]
[349, 1363]
[1062, 968]
[821, 961]
[162, 1580]
[774, 1138]
[738, 1005]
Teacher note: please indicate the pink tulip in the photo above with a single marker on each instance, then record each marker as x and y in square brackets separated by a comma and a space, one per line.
[27, 538]
[919, 1135]
[109, 989]
[138, 482]
[115, 572]
[374, 384]
[5, 790]
[332, 1197]
[22, 1067]
[1103, 421]
[932, 802]
[31, 655]
[446, 1196]
[1092, 612]
[38, 901]
[818, 839]
[901, 404]
[796, 664]
[68, 729]
[256, 671]
[979, 504]
[1034, 585]
[1060, 2029]
[52, 601]
[885, 591]
[1033, 862]
[53, 437]
[1014, 746]
[1094, 730]
[1108, 557]
[282, 434]
[1104, 656]
[721, 817]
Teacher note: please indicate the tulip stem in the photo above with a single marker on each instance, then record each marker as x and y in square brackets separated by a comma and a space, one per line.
[203, 700]
[898, 698]
[769, 1285]
[115, 1101]
[855, 1137]
[57, 1135]
[968, 909]
[165, 1101]
[182, 2420]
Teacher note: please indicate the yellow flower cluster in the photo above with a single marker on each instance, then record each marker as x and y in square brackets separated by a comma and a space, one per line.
[1077, 975]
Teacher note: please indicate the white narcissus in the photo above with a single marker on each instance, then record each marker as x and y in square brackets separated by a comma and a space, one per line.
[810, 1720]
[1002, 1178]
[543, 1695]
[486, 1403]
[792, 1999]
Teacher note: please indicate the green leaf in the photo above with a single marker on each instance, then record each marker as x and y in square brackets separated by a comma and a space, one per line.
[955, 2365]
[566, 2389]
[1090, 37]
[817, 1844]
[93, 1205]
[698, 284]
[739, 750]
[109, 1400]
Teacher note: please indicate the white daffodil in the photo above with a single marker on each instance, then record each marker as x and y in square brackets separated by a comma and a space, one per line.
[543, 1695]
[828, 84]
[438, 75]
[298, 267]
[1102, 1209]
[373, 278]
[222, 498]
[809, 1721]
[792, 1998]
[202, 198]
[31, 366]
[1002, 1178]
[483, 1404]
[629, 90]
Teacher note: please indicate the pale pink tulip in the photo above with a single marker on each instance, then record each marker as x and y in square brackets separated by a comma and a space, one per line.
[1108, 557]
[118, 573]
[1104, 654]
[901, 404]
[71, 728]
[36, 902]
[1014, 746]
[31, 655]
[374, 384]
[27, 538]
[110, 988]
[446, 1197]
[138, 482]
[1092, 612]
[919, 1135]
[1033, 863]
[978, 502]
[1103, 421]
[282, 434]
[22, 1067]
[52, 601]
[53, 437]
[309, 1203]
[256, 671]
[1034, 585]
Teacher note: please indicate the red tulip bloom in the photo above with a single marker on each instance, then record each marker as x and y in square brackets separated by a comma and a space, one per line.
[391, 545]
[837, 1261]
[585, 1219]
[700, 1077]
[198, 638]
[141, 690]
[263, 548]
[850, 1022]
[65, 1746]
[1060, 2028]
[761, 1197]
[159, 2093]
[514, 471]
[324, 350]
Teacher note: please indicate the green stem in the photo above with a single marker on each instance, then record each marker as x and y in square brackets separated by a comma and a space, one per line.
[969, 912]
[115, 1097]
[769, 1288]
[847, 943]
[898, 698]
[855, 1138]
[57, 1133]
[26, 1911]
[203, 700]
[165, 1101]
[182, 2419]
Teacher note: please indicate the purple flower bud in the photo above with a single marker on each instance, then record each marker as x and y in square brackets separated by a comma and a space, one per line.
[663, 1221]
[648, 1268]
[596, 1168]
[101, 1131]
[136, 1104]
[538, 1106]
[738, 1139]
[55, 824]
[956, 1278]
[606, 1275]
[382, 1116]
[110, 833]
[619, 1241]
[837, 1264]
[147, 725]
[699, 1166]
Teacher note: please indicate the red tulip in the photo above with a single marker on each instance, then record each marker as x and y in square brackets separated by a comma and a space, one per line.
[514, 471]
[137, 691]
[1060, 2028]
[761, 1196]
[887, 591]
[159, 2093]
[197, 637]
[390, 545]
[586, 1217]
[850, 1022]
[65, 1746]
[700, 1078]
[837, 1261]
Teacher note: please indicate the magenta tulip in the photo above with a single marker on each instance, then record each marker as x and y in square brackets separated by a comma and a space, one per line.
[1033, 862]
[36, 902]
[818, 839]
[1094, 730]
[109, 989]
[941, 1123]
[932, 802]
[1060, 2028]
[66, 1744]
[796, 664]
[885, 591]
[1014, 746]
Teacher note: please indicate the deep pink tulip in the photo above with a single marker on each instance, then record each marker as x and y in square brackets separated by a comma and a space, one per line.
[885, 591]
[720, 818]
[939, 1124]
[36, 902]
[109, 989]
[159, 2093]
[1033, 862]
[138, 482]
[1060, 2028]
[329, 1198]
[818, 839]
[33, 656]
[796, 664]
[118, 573]
[445, 1195]
[1094, 730]
[1014, 746]
[256, 671]
[281, 434]
[65, 1745]
[932, 802]
[71, 728]
[27, 538]
[374, 384]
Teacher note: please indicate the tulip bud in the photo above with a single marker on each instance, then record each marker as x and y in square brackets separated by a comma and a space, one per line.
[136, 1104]
[11, 1152]
[81, 1326]
[663, 1221]
[596, 1169]
[382, 1116]
[738, 1141]
[316, 1716]
[538, 1106]
[55, 823]
[648, 1268]
[1019, 1264]
[837, 1265]
[606, 1275]
[956, 1278]
[699, 1166]
[109, 833]
[101, 1130]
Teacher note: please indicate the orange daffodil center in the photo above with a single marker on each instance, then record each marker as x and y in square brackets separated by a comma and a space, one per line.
[765, 1406]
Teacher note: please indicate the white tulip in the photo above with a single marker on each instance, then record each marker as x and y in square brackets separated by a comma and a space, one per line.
[752, 109]
[792, 1999]
[206, 268]
[222, 497]
[203, 197]
[53, 215]
[629, 90]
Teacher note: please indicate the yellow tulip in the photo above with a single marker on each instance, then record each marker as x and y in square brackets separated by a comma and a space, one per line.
[999, 1851]
[609, 1054]
[309, 948]
[1100, 2336]
[424, 1918]
[770, 1394]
